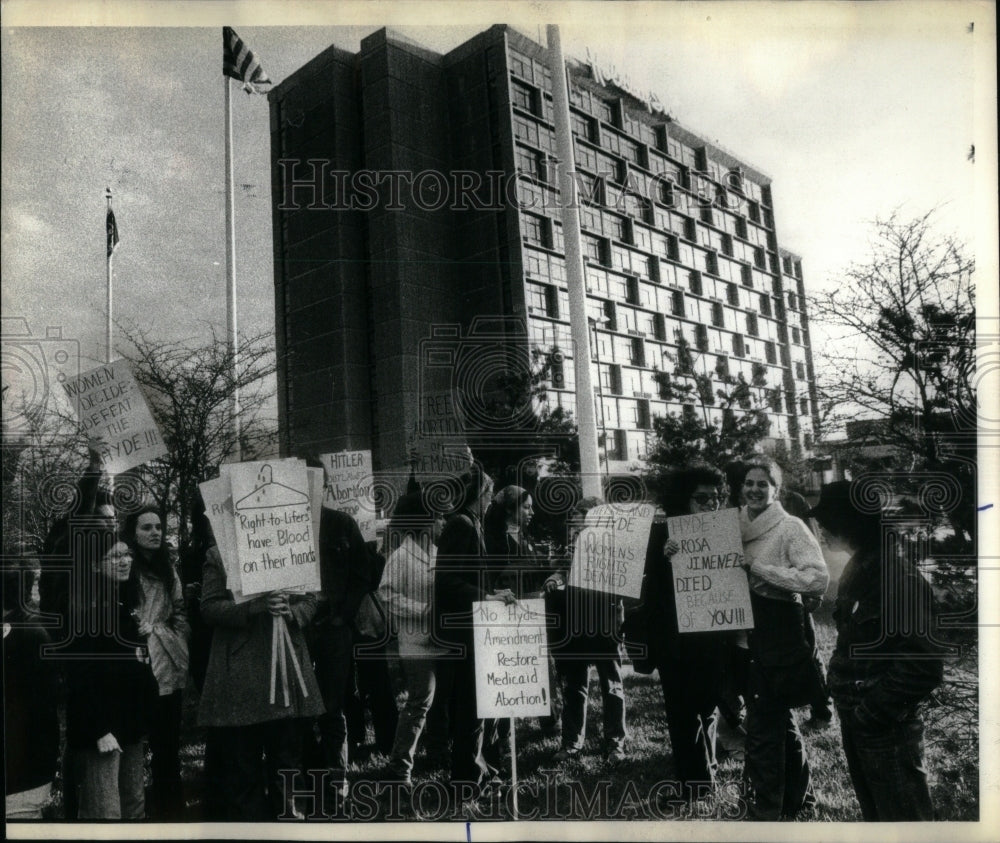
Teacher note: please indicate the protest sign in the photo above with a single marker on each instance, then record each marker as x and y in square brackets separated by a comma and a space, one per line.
[610, 552]
[218, 498]
[274, 526]
[512, 663]
[710, 584]
[110, 405]
[349, 487]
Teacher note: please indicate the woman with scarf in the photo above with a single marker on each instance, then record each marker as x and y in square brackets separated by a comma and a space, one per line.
[784, 564]
[163, 624]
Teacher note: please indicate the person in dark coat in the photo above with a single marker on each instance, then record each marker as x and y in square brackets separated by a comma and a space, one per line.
[111, 688]
[463, 575]
[245, 727]
[885, 664]
[30, 695]
[690, 665]
[587, 633]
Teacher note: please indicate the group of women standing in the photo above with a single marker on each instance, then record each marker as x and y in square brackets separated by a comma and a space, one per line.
[130, 655]
[126, 670]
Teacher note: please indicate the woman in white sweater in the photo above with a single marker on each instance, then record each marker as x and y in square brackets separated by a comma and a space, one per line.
[407, 585]
[784, 564]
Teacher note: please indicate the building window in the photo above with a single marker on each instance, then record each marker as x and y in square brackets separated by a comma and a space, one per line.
[759, 258]
[746, 273]
[798, 269]
[642, 414]
[632, 290]
[739, 349]
[701, 337]
[722, 366]
[552, 302]
[711, 263]
[614, 383]
[804, 407]
[637, 353]
[708, 215]
[807, 441]
[754, 211]
[677, 303]
[727, 245]
[765, 304]
[583, 127]
[796, 336]
[769, 353]
[536, 230]
[605, 110]
[691, 229]
[752, 325]
[800, 371]
[660, 326]
[525, 97]
[717, 315]
[791, 300]
[694, 282]
[611, 315]
[732, 294]
[741, 227]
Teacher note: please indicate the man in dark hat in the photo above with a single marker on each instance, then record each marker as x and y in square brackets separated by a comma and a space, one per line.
[886, 660]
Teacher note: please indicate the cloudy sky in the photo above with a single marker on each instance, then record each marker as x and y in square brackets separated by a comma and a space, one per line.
[854, 109]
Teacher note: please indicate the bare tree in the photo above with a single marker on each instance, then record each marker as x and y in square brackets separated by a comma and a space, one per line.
[907, 315]
[189, 389]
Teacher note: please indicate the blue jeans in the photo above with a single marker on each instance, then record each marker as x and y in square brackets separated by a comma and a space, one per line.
[420, 677]
[886, 764]
[111, 785]
[576, 692]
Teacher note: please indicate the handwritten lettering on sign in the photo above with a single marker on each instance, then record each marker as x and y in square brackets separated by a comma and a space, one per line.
[512, 664]
[274, 525]
[110, 405]
[710, 583]
[349, 483]
[610, 552]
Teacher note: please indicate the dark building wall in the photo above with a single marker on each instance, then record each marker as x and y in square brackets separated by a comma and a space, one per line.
[319, 258]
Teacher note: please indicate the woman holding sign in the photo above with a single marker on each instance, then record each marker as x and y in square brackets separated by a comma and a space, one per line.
[163, 623]
[463, 576]
[245, 726]
[690, 664]
[784, 564]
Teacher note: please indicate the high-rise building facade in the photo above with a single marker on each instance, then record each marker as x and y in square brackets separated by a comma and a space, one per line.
[417, 231]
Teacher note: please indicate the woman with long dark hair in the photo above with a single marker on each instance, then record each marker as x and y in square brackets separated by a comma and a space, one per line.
[784, 564]
[163, 622]
[111, 689]
[463, 576]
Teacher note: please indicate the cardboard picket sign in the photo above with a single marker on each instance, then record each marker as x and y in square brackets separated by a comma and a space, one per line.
[349, 484]
[711, 592]
[512, 663]
[274, 526]
[110, 405]
[218, 498]
[610, 552]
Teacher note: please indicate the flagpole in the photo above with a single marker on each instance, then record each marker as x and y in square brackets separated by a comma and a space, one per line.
[590, 466]
[234, 403]
[110, 294]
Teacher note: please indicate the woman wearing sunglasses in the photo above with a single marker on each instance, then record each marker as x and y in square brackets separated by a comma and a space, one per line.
[690, 666]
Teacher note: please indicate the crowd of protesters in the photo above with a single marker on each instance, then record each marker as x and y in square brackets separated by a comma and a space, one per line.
[130, 633]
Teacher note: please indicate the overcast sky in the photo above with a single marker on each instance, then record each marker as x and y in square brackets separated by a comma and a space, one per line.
[853, 109]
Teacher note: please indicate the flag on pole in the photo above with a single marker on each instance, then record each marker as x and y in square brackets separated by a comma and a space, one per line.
[112, 232]
[239, 62]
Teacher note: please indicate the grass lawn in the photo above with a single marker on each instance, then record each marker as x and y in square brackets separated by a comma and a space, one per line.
[589, 788]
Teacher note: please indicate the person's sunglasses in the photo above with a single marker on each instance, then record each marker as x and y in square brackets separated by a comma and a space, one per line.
[701, 500]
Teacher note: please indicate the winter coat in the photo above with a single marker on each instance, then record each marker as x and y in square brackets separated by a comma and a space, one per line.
[237, 683]
[168, 642]
[783, 555]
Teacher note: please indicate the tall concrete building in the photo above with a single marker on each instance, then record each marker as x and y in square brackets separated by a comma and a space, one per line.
[418, 250]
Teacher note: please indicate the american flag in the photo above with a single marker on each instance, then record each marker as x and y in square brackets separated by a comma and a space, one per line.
[112, 232]
[239, 62]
